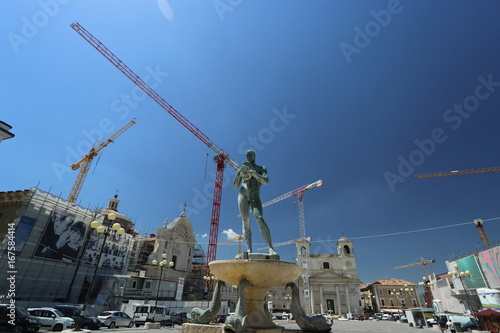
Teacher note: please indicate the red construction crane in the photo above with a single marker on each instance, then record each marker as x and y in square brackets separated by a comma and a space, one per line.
[86, 161]
[221, 156]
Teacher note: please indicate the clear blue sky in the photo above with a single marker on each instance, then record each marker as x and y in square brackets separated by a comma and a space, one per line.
[360, 94]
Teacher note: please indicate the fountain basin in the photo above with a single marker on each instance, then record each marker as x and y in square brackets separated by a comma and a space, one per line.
[262, 275]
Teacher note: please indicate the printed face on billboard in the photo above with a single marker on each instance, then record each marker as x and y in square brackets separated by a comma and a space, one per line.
[62, 238]
[114, 251]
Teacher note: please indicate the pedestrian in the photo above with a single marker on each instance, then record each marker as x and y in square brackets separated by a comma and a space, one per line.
[451, 326]
[442, 324]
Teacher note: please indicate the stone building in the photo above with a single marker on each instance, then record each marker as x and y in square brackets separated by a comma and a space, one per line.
[175, 244]
[390, 296]
[333, 280]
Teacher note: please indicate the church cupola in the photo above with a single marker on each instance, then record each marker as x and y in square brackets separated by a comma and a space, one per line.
[113, 203]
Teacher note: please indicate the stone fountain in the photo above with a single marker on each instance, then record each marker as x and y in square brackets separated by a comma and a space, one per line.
[262, 275]
[253, 273]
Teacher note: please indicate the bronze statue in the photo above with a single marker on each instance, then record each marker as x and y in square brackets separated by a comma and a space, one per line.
[251, 176]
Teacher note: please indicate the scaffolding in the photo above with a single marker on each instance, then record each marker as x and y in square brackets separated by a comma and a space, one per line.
[196, 285]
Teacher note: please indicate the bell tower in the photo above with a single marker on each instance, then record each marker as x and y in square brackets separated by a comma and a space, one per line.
[303, 248]
[344, 247]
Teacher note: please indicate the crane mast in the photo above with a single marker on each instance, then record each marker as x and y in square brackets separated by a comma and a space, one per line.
[86, 161]
[302, 222]
[221, 156]
[427, 291]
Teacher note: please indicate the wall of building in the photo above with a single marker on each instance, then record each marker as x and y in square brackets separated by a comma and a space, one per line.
[48, 271]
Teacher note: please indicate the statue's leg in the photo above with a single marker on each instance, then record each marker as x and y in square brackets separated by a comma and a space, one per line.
[264, 229]
[245, 218]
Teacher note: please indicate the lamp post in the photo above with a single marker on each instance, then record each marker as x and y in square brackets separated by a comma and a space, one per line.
[288, 298]
[161, 264]
[426, 284]
[403, 292]
[457, 274]
[117, 230]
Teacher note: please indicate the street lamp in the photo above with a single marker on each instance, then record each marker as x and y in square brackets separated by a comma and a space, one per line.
[426, 284]
[161, 264]
[288, 298]
[116, 230]
[457, 274]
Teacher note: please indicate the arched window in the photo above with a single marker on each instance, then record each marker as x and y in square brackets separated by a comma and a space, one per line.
[347, 250]
[326, 265]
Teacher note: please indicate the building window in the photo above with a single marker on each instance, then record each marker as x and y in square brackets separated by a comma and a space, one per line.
[134, 284]
[174, 260]
[347, 250]
[326, 265]
[147, 285]
[389, 291]
[403, 303]
[391, 301]
[414, 302]
[380, 292]
[382, 302]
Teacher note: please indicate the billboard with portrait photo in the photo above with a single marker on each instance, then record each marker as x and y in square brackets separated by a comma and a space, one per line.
[62, 238]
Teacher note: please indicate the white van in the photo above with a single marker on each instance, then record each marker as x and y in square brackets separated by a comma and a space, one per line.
[149, 313]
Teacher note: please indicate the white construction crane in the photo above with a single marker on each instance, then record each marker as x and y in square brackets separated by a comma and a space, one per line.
[299, 193]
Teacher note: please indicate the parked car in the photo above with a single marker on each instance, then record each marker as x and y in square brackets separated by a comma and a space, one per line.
[221, 318]
[73, 311]
[432, 321]
[179, 318]
[22, 323]
[52, 319]
[113, 319]
[470, 325]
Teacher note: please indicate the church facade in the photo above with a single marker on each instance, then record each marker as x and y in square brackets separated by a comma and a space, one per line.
[329, 282]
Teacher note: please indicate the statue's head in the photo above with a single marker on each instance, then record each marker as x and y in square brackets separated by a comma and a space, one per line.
[250, 154]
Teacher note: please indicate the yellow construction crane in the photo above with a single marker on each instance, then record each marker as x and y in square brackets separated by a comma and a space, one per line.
[237, 238]
[477, 222]
[423, 262]
[427, 291]
[457, 172]
[86, 161]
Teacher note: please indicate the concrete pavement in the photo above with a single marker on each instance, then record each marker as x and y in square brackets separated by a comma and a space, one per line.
[339, 326]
